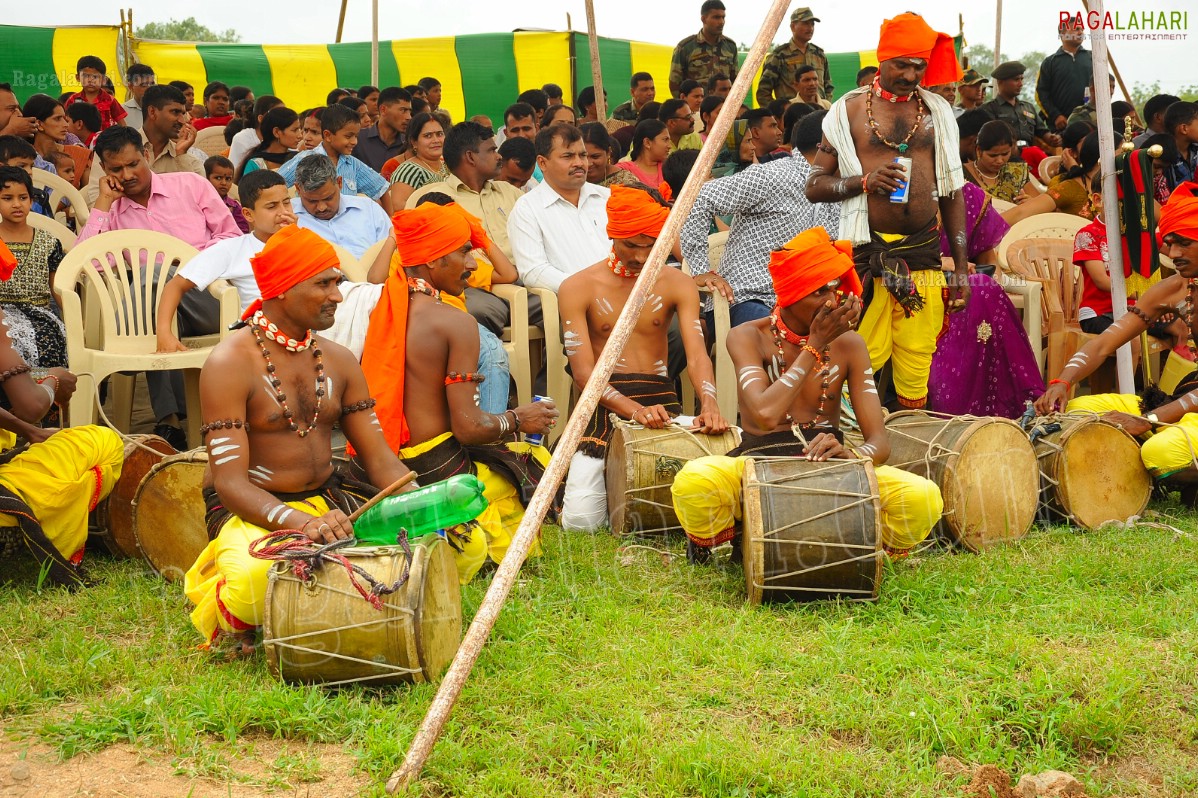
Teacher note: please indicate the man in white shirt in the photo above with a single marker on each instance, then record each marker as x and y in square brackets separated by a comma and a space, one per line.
[349, 221]
[139, 78]
[560, 227]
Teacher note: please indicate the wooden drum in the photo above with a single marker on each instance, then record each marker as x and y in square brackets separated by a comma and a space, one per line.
[641, 464]
[168, 514]
[985, 467]
[811, 530]
[1090, 470]
[114, 515]
[324, 632]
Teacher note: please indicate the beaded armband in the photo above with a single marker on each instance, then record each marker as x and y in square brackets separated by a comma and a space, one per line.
[454, 377]
[5, 376]
[224, 423]
[358, 407]
[828, 148]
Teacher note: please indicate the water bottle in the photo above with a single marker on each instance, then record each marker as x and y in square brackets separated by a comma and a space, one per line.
[536, 438]
[454, 501]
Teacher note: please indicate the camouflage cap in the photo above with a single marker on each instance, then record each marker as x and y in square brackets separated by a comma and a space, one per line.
[803, 15]
[973, 78]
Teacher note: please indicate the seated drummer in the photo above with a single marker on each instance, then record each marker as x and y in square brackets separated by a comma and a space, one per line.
[270, 394]
[48, 487]
[640, 388]
[791, 368]
[420, 359]
[1169, 451]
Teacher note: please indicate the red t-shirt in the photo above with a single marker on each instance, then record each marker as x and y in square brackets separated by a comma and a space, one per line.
[212, 121]
[110, 110]
[1090, 244]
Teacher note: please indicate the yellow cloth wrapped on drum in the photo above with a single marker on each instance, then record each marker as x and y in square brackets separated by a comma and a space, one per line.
[1167, 450]
[707, 499]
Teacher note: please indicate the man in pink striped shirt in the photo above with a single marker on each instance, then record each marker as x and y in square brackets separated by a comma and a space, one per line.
[181, 204]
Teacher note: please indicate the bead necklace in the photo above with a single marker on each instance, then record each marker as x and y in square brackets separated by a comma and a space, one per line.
[618, 268]
[782, 333]
[901, 146]
[418, 285]
[889, 96]
[271, 330]
[281, 397]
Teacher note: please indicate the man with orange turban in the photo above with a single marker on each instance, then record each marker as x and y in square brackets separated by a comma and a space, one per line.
[270, 394]
[1167, 451]
[792, 368]
[421, 359]
[889, 213]
[640, 389]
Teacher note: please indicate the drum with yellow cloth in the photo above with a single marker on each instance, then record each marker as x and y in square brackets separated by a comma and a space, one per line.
[168, 514]
[640, 467]
[114, 516]
[324, 632]
[1090, 470]
[985, 467]
[811, 530]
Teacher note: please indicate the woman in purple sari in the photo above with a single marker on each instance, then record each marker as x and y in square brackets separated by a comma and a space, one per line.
[984, 364]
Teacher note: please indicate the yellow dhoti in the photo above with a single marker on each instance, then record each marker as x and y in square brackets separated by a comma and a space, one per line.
[61, 480]
[908, 343]
[1167, 450]
[707, 499]
[502, 517]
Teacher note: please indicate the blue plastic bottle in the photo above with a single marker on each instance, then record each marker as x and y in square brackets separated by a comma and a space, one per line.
[445, 504]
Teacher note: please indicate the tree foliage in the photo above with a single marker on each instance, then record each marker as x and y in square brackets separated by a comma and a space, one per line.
[186, 30]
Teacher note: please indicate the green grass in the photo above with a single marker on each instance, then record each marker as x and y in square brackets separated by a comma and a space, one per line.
[620, 674]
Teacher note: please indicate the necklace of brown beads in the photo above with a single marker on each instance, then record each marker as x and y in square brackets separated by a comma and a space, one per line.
[276, 384]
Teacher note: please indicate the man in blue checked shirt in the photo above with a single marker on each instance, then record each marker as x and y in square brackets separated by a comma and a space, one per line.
[339, 128]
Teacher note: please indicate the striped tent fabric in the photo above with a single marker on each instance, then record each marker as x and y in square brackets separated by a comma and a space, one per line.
[479, 73]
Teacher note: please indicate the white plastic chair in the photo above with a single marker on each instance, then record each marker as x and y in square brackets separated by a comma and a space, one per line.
[58, 190]
[211, 141]
[1043, 225]
[123, 274]
[54, 228]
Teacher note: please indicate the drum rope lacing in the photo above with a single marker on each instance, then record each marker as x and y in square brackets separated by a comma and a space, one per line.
[289, 545]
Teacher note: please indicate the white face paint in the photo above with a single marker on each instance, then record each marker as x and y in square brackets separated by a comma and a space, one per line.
[260, 474]
[868, 450]
[698, 326]
[655, 303]
[228, 459]
[749, 375]
[215, 451]
[374, 419]
[604, 306]
[708, 389]
[611, 393]
[832, 372]
[659, 368]
[278, 513]
[270, 390]
[1188, 402]
[573, 343]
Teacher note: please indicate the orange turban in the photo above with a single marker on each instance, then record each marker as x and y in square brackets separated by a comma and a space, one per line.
[8, 262]
[908, 36]
[428, 232]
[292, 255]
[631, 213]
[1180, 214]
[809, 261]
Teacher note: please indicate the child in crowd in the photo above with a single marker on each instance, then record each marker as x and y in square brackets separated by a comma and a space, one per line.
[219, 170]
[19, 153]
[91, 73]
[65, 166]
[339, 128]
[85, 123]
[1181, 122]
[28, 303]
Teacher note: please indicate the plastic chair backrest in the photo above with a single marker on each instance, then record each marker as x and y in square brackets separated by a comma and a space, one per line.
[54, 228]
[58, 190]
[1050, 260]
[1042, 225]
[211, 141]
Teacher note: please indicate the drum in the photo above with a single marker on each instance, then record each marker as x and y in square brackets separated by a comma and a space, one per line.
[811, 530]
[641, 464]
[985, 467]
[114, 516]
[1090, 470]
[168, 514]
[324, 632]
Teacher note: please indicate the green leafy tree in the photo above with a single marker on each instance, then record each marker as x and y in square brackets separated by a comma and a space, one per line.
[187, 30]
[1142, 92]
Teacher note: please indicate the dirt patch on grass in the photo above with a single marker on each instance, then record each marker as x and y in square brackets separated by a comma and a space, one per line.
[32, 770]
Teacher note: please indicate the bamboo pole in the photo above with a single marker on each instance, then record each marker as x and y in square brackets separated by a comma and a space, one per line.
[505, 577]
[341, 20]
[997, 34]
[1110, 196]
[596, 67]
[374, 42]
[1111, 62]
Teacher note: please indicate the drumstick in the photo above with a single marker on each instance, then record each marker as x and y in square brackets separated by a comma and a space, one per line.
[382, 494]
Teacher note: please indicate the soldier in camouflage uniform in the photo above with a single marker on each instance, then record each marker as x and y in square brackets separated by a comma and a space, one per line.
[778, 80]
[643, 91]
[707, 54]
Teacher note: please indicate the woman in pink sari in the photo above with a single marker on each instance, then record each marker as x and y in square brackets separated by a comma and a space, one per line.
[984, 364]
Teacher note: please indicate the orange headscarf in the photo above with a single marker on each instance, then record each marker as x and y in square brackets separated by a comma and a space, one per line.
[809, 261]
[422, 235]
[292, 255]
[631, 212]
[1180, 214]
[908, 36]
[8, 262]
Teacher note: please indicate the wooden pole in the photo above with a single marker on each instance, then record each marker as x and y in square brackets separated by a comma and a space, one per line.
[998, 34]
[505, 577]
[341, 20]
[374, 42]
[1110, 196]
[596, 68]
[1111, 62]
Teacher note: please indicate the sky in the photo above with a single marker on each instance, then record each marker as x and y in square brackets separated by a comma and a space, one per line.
[1028, 25]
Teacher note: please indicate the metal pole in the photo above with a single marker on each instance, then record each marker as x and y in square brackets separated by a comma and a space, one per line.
[505, 577]
[374, 42]
[1111, 61]
[998, 34]
[596, 69]
[1110, 196]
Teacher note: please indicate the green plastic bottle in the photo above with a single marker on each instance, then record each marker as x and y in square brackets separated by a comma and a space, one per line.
[454, 501]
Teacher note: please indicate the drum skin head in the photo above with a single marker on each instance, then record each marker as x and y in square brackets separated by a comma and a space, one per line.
[168, 514]
[114, 515]
[1098, 473]
[640, 467]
